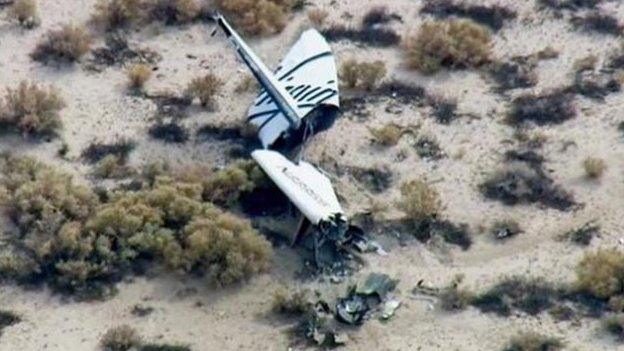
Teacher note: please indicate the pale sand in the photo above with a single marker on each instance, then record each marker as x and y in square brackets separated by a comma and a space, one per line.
[238, 317]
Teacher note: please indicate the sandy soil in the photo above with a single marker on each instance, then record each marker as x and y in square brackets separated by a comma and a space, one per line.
[238, 318]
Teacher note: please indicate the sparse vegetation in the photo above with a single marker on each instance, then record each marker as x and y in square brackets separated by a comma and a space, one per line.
[444, 109]
[114, 14]
[31, 109]
[296, 303]
[601, 273]
[531, 341]
[121, 338]
[317, 16]
[419, 201]
[258, 17]
[96, 151]
[7, 319]
[363, 75]
[529, 295]
[172, 12]
[582, 235]
[492, 16]
[519, 73]
[594, 167]
[138, 75]
[448, 43]
[205, 89]
[67, 44]
[378, 16]
[598, 22]
[374, 36]
[550, 108]
[569, 4]
[428, 148]
[112, 167]
[374, 179]
[614, 325]
[25, 12]
[454, 298]
[388, 135]
[227, 186]
[169, 132]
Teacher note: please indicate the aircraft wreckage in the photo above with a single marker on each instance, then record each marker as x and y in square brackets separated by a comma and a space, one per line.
[296, 101]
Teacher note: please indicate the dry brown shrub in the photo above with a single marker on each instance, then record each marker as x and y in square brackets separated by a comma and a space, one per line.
[363, 75]
[257, 17]
[317, 16]
[388, 135]
[25, 11]
[205, 89]
[121, 338]
[594, 167]
[448, 43]
[67, 44]
[113, 14]
[138, 75]
[173, 11]
[32, 109]
[419, 201]
[601, 273]
[532, 341]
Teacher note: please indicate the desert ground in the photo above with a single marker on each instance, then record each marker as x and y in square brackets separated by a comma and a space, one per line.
[239, 317]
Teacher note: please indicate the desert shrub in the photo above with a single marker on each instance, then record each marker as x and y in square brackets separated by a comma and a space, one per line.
[25, 12]
[378, 15]
[295, 303]
[531, 341]
[164, 347]
[491, 16]
[173, 11]
[444, 109]
[448, 43]
[520, 184]
[169, 132]
[388, 135]
[112, 167]
[428, 147]
[582, 235]
[138, 75]
[601, 273]
[598, 22]
[531, 296]
[253, 17]
[551, 108]
[569, 4]
[594, 85]
[205, 89]
[121, 338]
[96, 151]
[227, 186]
[31, 109]
[8, 318]
[614, 325]
[419, 201]
[364, 75]
[454, 298]
[114, 14]
[117, 51]
[317, 16]
[374, 36]
[594, 167]
[405, 93]
[67, 44]
[513, 75]
[374, 179]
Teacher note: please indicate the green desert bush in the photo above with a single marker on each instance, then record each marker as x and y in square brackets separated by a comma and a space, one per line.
[33, 110]
[594, 167]
[121, 338]
[531, 341]
[114, 14]
[112, 167]
[25, 12]
[601, 273]
[138, 75]
[226, 186]
[205, 89]
[253, 17]
[448, 43]
[363, 75]
[614, 325]
[67, 44]
[419, 201]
